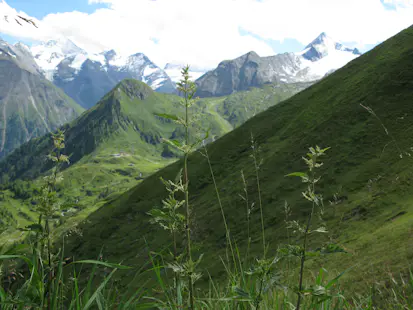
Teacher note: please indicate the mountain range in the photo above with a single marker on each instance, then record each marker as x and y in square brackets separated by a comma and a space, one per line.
[320, 57]
[88, 77]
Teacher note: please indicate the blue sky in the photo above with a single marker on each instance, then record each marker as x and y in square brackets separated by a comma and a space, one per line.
[40, 8]
[220, 29]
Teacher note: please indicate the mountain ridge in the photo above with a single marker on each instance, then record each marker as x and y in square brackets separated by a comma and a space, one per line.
[88, 77]
[317, 59]
[30, 106]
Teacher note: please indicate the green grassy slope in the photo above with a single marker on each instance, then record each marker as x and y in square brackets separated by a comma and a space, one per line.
[241, 106]
[112, 147]
[372, 172]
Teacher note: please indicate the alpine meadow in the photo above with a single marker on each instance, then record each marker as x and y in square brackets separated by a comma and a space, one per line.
[282, 181]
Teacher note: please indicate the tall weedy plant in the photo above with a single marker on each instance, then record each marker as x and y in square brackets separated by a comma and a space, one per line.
[170, 219]
[311, 179]
[46, 286]
[49, 205]
[257, 165]
[187, 88]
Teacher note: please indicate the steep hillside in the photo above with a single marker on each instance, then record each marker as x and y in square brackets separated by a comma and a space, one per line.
[116, 144]
[241, 106]
[30, 105]
[368, 167]
[124, 121]
[98, 129]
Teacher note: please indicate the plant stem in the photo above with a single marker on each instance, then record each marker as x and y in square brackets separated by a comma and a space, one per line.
[248, 216]
[303, 256]
[259, 198]
[49, 284]
[227, 232]
[188, 211]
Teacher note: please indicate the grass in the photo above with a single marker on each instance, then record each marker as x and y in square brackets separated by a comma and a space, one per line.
[110, 150]
[328, 113]
[362, 260]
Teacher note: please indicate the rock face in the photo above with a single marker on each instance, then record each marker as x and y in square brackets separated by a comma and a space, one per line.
[88, 77]
[30, 105]
[320, 57]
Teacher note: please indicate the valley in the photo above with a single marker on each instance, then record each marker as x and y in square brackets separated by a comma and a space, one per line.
[115, 145]
[271, 181]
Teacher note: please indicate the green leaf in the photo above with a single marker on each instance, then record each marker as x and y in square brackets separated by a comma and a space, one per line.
[335, 280]
[240, 292]
[168, 116]
[319, 290]
[98, 262]
[332, 248]
[33, 227]
[98, 290]
[301, 175]
[174, 143]
[320, 230]
[320, 276]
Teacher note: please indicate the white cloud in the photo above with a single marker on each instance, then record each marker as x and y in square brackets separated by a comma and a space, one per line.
[204, 32]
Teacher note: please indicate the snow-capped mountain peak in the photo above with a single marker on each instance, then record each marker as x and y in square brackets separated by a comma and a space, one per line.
[323, 46]
[49, 54]
[319, 58]
[323, 39]
[64, 63]
[86, 77]
[324, 55]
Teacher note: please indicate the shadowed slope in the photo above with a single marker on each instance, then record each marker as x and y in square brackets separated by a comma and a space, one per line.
[363, 161]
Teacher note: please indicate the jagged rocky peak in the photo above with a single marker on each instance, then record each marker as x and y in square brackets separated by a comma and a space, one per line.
[324, 45]
[322, 56]
[87, 77]
[19, 54]
[252, 54]
[109, 55]
[50, 54]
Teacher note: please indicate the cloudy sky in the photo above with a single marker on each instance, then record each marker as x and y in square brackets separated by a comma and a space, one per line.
[205, 32]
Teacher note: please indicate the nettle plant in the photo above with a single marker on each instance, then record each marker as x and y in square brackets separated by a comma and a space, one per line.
[44, 283]
[169, 218]
[319, 291]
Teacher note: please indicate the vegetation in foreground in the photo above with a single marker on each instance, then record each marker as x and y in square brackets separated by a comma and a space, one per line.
[38, 276]
[267, 265]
